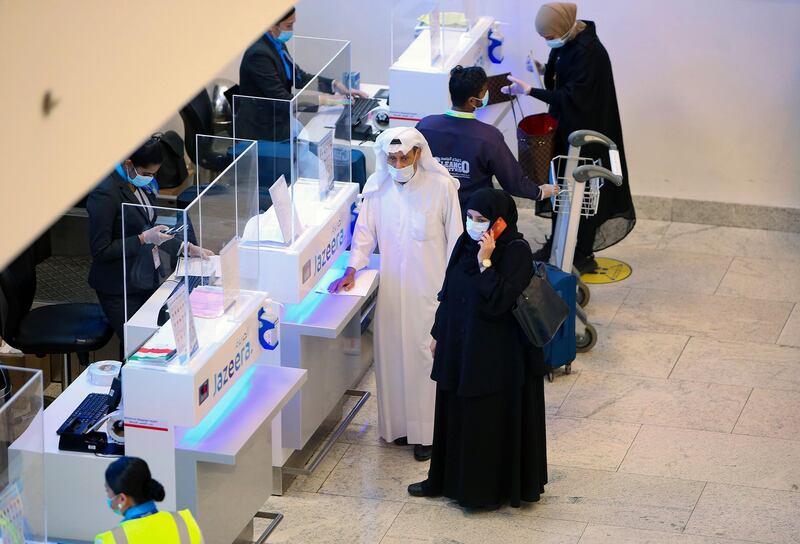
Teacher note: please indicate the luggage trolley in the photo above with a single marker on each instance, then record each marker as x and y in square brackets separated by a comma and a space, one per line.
[579, 180]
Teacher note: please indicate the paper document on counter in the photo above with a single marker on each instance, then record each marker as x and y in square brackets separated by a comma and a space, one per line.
[364, 279]
[195, 266]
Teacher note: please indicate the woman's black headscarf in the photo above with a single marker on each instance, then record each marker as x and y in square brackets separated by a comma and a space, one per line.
[490, 203]
[494, 203]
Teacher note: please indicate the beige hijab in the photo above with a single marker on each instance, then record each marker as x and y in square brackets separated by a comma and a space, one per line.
[559, 18]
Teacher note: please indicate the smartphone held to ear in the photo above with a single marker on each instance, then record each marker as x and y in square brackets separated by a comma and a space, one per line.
[498, 227]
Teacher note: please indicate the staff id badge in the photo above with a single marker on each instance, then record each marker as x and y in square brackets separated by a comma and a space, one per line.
[156, 258]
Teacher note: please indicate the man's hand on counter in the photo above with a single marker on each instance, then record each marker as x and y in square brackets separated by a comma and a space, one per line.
[346, 282]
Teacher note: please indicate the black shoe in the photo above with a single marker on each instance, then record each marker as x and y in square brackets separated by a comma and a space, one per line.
[585, 265]
[402, 441]
[543, 253]
[422, 489]
[422, 453]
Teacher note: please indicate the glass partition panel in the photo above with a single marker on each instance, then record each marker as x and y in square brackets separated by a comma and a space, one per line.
[222, 214]
[303, 140]
[323, 110]
[425, 33]
[158, 247]
[268, 121]
[22, 486]
[182, 265]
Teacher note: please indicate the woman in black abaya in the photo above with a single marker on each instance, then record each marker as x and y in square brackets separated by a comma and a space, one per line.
[580, 93]
[489, 431]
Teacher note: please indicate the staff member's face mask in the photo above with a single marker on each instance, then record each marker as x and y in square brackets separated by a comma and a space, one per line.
[114, 504]
[139, 180]
[402, 167]
[483, 101]
[286, 29]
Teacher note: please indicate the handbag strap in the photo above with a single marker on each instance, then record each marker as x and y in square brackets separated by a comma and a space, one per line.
[516, 101]
[538, 266]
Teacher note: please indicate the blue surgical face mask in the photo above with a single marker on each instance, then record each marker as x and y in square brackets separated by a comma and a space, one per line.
[110, 502]
[139, 180]
[484, 100]
[476, 230]
[559, 42]
[285, 36]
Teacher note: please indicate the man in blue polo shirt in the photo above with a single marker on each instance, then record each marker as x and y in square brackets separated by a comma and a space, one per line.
[471, 150]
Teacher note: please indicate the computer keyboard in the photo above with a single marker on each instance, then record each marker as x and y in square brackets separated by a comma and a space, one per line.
[358, 116]
[362, 106]
[87, 414]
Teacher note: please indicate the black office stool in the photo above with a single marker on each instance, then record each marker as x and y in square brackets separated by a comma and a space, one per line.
[56, 329]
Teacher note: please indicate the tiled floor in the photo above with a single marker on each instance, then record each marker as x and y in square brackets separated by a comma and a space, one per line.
[682, 426]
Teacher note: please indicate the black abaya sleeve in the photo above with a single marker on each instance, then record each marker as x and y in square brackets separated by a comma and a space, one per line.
[574, 89]
[501, 285]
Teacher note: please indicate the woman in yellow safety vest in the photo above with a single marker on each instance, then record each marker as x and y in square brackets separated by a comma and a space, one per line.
[132, 493]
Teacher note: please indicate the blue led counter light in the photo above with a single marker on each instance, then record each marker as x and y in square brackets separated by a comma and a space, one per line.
[220, 413]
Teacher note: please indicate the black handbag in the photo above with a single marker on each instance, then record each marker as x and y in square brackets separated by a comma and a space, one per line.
[539, 310]
[173, 169]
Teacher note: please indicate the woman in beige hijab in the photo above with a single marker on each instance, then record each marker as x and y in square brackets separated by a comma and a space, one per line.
[580, 92]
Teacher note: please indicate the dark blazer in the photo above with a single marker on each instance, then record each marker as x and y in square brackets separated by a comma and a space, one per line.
[262, 74]
[104, 206]
[480, 348]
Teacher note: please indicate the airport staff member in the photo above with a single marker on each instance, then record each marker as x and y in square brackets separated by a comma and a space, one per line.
[145, 242]
[268, 71]
[471, 150]
[132, 493]
[581, 94]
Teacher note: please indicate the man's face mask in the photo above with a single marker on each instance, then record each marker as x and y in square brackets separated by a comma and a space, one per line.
[484, 100]
[403, 174]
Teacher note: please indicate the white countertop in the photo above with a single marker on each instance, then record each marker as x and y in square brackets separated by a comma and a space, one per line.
[256, 398]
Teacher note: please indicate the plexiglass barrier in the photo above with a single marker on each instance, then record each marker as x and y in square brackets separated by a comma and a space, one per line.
[156, 241]
[190, 270]
[22, 492]
[303, 140]
[425, 33]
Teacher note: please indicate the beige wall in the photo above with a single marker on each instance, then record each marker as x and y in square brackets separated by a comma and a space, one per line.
[117, 70]
[709, 89]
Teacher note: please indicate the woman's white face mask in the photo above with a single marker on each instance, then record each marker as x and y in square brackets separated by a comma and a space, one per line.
[476, 229]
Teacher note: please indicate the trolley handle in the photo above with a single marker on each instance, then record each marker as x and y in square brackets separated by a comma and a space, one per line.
[579, 138]
[588, 171]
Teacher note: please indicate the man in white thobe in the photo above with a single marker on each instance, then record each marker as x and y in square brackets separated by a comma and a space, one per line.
[410, 211]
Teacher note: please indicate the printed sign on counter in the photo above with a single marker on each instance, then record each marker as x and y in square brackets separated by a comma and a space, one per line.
[285, 210]
[182, 321]
[325, 158]
[436, 35]
[229, 263]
